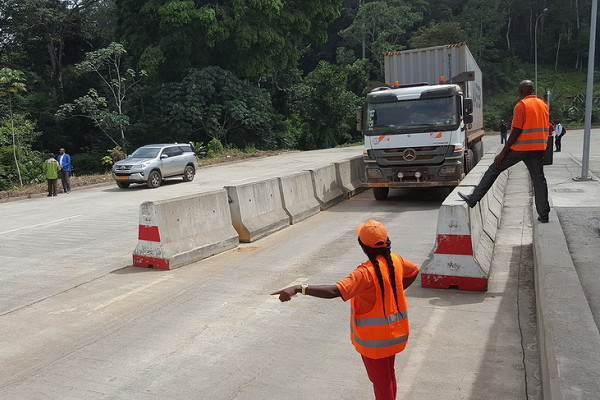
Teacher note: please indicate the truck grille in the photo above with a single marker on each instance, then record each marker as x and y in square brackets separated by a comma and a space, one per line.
[426, 155]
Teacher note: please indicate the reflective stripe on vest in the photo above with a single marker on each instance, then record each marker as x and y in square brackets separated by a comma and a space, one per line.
[378, 334]
[534, 135]
[381, 320]
[378, 344]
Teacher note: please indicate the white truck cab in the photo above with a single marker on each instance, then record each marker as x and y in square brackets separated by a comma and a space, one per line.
[416, 136]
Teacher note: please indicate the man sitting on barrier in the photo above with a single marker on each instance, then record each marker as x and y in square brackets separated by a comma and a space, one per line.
[527, 142]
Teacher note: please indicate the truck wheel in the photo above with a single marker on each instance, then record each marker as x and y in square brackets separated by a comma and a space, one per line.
[468, 161]
[123, 185]
[188, 174]
[154, 179]
[381, 193]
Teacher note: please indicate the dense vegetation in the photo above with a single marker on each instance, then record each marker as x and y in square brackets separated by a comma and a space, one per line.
[98, 76]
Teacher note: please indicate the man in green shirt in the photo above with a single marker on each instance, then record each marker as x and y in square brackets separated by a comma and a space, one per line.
[50, 168]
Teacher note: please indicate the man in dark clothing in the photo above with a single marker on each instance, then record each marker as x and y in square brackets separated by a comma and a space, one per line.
[64, 165]
[503, 132]
[527, 142]
[558, 135]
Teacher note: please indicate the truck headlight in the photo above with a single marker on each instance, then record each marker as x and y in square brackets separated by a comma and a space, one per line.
[374, 173]
[448, 170]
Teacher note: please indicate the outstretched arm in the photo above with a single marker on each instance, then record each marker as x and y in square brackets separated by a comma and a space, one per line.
[322, 291]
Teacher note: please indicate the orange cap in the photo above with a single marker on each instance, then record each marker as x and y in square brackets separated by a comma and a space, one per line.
[372, 233]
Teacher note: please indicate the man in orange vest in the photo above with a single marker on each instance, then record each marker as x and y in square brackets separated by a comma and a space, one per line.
[379, 319]
[527, 141]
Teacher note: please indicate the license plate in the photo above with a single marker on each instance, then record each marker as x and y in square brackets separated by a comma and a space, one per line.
[122, 177]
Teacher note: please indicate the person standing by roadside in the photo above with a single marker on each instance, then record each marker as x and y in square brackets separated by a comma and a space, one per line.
[50, 168]
[379, 319]
[527, 142]
[503, 132]
[558, 134]
[64, 164]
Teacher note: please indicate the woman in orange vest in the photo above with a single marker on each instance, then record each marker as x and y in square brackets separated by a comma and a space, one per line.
[527, 142]
[379, 319]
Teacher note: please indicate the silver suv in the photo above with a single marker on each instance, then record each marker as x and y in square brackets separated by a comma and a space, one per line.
[152, 163]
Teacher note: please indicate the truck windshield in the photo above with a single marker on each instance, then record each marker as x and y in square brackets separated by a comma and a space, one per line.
[417, 115]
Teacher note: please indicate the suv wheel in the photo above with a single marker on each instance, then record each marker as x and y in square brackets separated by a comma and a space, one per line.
[154, 179]
[123, 185]
[188, 173]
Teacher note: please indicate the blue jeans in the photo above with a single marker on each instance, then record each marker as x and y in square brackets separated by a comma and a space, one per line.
[534, 162]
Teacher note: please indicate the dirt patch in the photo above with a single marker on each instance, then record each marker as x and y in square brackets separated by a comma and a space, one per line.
[88, 180]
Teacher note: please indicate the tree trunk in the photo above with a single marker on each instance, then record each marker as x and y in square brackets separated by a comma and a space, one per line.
[14, 142]
[531, 28]
[55, 56]
[508, 33]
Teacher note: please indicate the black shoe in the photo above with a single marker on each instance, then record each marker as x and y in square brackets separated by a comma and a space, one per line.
[49, 195]
[543, 220]
[467, 198]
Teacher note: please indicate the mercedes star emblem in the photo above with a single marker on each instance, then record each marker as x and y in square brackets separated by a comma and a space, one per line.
[409, 155]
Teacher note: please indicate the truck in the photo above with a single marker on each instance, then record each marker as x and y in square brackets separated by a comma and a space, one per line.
[423, 127]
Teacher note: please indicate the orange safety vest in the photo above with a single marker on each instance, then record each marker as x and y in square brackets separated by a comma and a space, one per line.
[535, 130]
[375, 334]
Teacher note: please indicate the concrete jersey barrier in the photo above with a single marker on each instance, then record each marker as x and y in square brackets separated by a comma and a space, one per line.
[350, 174]
[465, 236]
[328, 189]
[179, 231]
[257, 209]
[298, 196]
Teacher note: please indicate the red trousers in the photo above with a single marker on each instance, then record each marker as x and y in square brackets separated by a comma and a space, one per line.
[383, 376]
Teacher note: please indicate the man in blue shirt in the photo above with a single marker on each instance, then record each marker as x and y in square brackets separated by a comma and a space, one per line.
[64, 164]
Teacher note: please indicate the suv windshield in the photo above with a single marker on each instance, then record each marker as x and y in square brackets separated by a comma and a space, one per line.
[145, 152]
[413, 115]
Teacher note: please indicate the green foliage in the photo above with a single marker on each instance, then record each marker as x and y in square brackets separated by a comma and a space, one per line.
[115, 154]
[438, 34]
[215, 148]
[382, 25]
[214, 103]
[198, 148]
[248, 37]
[109, 117]
[28, 169]
[11, 82]
[95, 108]
[325, 109]
[88, 163]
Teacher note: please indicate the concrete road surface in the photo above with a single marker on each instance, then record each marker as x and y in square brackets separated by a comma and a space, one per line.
[210, 330]
[51, 245]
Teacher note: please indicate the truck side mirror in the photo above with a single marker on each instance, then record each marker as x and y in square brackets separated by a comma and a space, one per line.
[468, 111]
[359, 113]
[468, 105]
